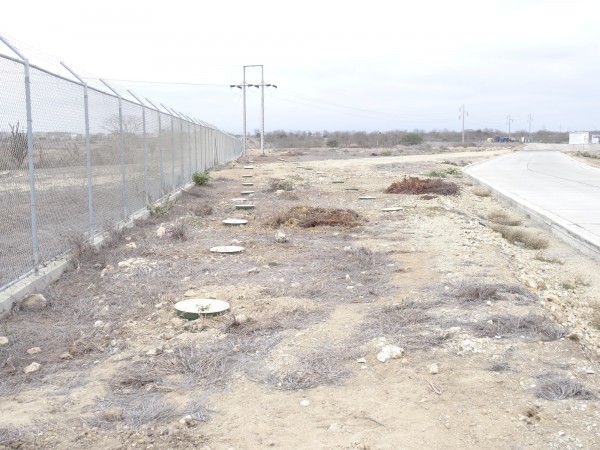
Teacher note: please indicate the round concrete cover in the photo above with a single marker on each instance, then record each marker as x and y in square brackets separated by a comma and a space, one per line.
[235, 222]
[206, 306]
[227, 249]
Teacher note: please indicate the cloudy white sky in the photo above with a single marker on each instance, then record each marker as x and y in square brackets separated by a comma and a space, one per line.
[338, 65]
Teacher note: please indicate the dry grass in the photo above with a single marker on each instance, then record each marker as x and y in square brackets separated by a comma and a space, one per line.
[277, 184]
[408, 324]
[135, 410]
[503, 218]
[310, 217]
[317, 367]
[13, 437]
[477, 291]
[517, 235]
[501, 367]
[554, 386]
[481, 192]
[203, 210]
[508, 325]
[548, 259]
[418, 186]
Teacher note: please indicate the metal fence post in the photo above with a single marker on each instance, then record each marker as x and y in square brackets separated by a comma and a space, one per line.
[121, 152]
[160, 153]
[145, 147]
[35, 248]
[88, 152]
[172, 149]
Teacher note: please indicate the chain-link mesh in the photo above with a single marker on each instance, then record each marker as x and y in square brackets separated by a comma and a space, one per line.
[81, 184]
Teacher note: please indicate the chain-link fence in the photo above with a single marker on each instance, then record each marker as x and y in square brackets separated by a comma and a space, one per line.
[75, 161]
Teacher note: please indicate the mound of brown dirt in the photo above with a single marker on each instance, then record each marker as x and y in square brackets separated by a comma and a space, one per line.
[417, 186]
[309, 217]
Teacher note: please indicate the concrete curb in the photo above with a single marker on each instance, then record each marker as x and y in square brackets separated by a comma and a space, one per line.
[54, 269]
[566, 231]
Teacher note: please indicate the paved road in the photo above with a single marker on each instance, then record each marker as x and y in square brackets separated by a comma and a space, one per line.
[556, 189]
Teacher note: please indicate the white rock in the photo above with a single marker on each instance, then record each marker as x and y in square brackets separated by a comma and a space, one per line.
[33, 367]
[380, 342]
[254, 270]
[34, 302]
[34, 350]
[131, 245]
[433, 369]
[467, 346]
[295, 284]
[361, 361]
[389, 352]
[66, 355]
[241, 318]
[3, 340]
[280, 237]
[98, 324]
[304, 402]
[160, 232]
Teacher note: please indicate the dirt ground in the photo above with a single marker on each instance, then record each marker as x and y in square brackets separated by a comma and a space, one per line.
[499, 342]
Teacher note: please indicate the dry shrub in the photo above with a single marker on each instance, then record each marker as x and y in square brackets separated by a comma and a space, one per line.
[418, 186]
[528, 239]
[529, 325]
[502, 218]
[179, 231]
[203, 210]
[318, 367]
[135, 410]
[277, 184]
[558, 387]
[309, 217]
[474, 291]
[394, 319]
[481, 192]
[501, 367]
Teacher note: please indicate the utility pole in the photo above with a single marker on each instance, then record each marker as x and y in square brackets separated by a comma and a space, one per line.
[509, 120]
[530, 118]
[462, 115]
[262, 85]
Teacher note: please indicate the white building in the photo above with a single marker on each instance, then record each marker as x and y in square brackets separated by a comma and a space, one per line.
[584, 137]
[579, 137]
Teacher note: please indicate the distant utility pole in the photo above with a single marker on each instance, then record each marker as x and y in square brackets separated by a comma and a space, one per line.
[462, 115]
[509, 120]
[530, 118]
[262, 85]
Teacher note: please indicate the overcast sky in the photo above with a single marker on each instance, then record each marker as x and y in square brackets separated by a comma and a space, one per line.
[339, 65]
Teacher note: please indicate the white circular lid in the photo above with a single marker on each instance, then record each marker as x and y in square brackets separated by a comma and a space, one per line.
[227, 249]
[202, 306]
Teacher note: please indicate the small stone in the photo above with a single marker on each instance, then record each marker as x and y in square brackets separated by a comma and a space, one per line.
[191, 293]
[33, 367]
[467, 346]
[295, 284]
[176, 321]
[389, 352]
[34, 350]
[3, 340]
[304, 402]
[280, 237]
[254, 270]
[131, 245]
[361, 361]
[433, 369]
[241, 318]
[66, 355]
[160, 232]
[34, 302]
[348, 248]
[98, 324]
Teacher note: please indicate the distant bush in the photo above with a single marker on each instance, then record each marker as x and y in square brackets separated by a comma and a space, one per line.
[411, 139]
[332, 143]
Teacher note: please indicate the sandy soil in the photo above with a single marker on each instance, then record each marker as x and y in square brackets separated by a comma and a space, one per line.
[294, 364]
